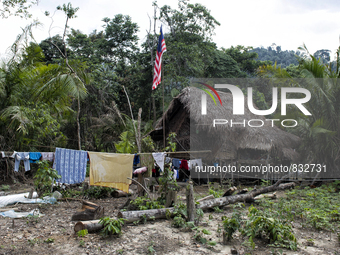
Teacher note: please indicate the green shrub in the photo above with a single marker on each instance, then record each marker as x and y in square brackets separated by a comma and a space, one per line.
[44, 178]
[144, 203]
[231, 225]
[98, 192]
[111, 226]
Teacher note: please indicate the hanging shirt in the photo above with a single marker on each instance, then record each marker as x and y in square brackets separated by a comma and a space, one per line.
[111, 170]
[184, 164]
[176, 162]
[34, 157]
[71, 165]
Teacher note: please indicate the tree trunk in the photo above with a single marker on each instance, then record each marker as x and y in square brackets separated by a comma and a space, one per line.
[132, 216]
[78, 122]
[91, 226]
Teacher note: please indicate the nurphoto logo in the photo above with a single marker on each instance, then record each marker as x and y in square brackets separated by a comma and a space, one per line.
[239, 103]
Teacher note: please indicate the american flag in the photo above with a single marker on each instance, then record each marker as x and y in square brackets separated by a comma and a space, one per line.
[158, 62]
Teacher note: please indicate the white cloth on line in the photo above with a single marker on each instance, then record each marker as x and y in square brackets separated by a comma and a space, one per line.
[193, 162]
[159, 158]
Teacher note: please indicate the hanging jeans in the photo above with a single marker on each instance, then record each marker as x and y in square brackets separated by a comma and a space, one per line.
[22, 156]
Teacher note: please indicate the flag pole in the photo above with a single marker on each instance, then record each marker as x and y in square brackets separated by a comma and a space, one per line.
[163, 108]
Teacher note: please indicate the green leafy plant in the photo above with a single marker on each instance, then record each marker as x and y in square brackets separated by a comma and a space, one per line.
[49, 240]
[81, 243]
[261, 225]
[151, 250]
[216, 192]
[82, 233]
[171, 142]
[32, 219]
[111, 226]
[217, 209]
[44, 178]
[33, 241]
[231, 225]
[98, 192]
[179, 215]
[200, 235]
[199, 215]
[144, 203]
[178, 222]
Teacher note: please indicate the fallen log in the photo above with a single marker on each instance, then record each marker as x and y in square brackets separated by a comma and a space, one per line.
[132, 216]
[249, 197]
[91, 226]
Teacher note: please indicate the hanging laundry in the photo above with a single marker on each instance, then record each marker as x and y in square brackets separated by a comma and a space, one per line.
[22, 156]
[159, 158]
[8, 154]
[111, 170]
[184, 164]
[47, 156]
[136, 160]
[175, 174]
[140, 170]
[34, 157]
[167, 160]
[148, 161]
[71, 165]
[176, 162]
[195, 162]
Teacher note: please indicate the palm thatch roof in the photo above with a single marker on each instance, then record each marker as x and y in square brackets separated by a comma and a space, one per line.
[186, 108]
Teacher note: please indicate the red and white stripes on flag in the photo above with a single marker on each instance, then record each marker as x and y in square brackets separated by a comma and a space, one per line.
[158, 61]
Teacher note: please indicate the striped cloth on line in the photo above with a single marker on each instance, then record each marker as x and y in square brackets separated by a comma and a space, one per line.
[71, 165]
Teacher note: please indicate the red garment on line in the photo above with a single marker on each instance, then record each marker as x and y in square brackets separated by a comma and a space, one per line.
[184, 165]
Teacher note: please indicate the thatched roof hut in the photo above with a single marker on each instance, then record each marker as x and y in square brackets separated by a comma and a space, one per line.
[185, 109]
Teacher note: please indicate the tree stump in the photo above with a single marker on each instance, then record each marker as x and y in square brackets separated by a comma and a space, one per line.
[89, 211]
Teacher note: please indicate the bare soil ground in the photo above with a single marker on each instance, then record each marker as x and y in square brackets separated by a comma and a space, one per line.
[31, 236]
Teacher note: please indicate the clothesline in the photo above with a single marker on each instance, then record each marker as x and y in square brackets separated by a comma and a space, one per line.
[177, 152]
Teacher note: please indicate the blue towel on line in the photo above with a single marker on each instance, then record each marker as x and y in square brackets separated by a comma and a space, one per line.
[71, 165]
[34, 157]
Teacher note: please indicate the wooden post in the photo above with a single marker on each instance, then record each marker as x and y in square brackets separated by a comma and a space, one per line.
[191, 208]
[140, 189]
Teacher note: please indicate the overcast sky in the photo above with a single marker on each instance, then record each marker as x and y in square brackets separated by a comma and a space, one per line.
[288, 23]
